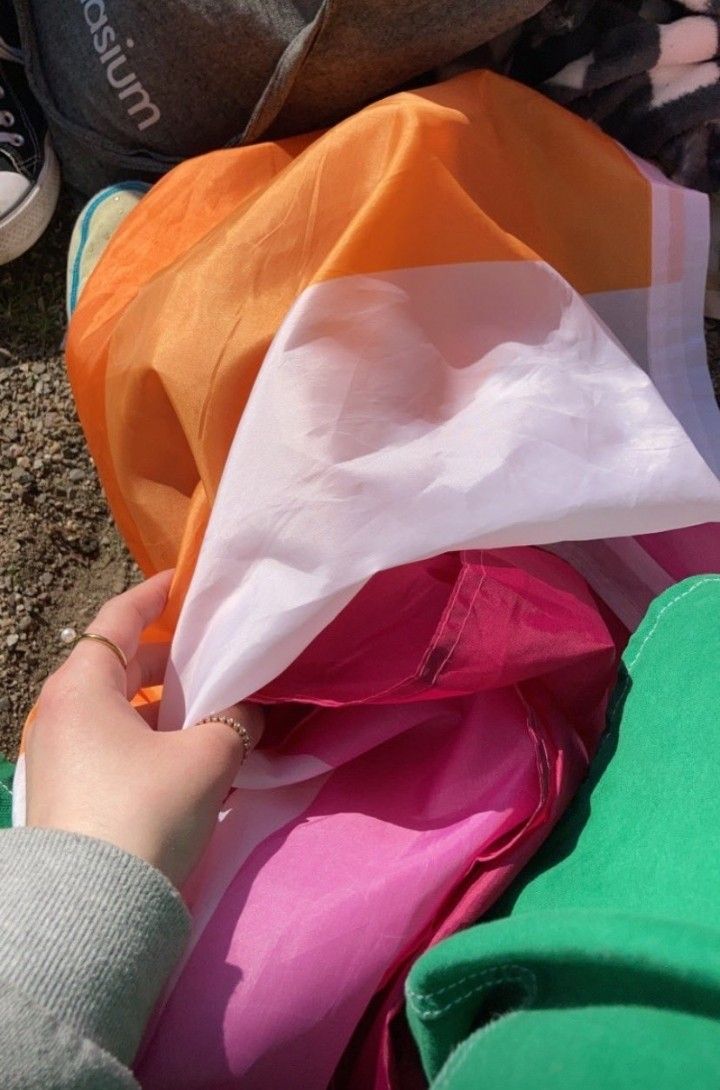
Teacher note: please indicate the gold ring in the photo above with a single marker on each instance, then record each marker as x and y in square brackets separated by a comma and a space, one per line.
[122, 657]
[241, 731]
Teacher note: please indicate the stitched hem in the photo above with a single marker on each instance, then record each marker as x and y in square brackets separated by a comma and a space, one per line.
[424, 1004]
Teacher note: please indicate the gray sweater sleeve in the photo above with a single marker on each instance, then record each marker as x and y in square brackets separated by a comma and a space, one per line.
[88, 937]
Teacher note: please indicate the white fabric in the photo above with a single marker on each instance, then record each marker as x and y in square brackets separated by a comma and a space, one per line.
[404, 414]
[677, 351]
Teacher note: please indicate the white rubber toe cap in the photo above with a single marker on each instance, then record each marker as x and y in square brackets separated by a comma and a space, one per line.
[31, 207]
[13, 189]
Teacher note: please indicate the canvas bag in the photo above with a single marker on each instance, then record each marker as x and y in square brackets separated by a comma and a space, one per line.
[131, 87]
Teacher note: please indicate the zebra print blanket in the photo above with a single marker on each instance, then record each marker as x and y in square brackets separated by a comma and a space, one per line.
[646, 71]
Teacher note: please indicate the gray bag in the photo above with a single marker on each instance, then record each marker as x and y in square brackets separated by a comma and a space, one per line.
[131, 87]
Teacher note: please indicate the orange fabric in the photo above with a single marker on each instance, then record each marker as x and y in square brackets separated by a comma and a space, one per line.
[176, 320]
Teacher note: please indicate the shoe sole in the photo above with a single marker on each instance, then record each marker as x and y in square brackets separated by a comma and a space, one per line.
[79, 265]
[22, 226]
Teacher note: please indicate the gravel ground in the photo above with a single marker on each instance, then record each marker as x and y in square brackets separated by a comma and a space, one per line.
[60, 555]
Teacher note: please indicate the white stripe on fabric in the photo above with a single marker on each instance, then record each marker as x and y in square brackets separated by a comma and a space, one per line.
[620, 571]
[400, 415]
[677, 353]
[251, 820]
[19, 805]
[253, 817]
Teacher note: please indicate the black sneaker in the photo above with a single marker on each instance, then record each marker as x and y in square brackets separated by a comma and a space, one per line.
[29, 172]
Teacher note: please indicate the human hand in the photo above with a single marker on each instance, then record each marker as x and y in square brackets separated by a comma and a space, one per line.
[94, 765]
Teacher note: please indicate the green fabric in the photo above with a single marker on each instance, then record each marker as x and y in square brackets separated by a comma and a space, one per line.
[7, 772]
[545, 1050]
[611, 940]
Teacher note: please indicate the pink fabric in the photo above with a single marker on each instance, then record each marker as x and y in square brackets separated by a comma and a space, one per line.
[634, 571]
[455, 701]
[682, 553]
[627, 573]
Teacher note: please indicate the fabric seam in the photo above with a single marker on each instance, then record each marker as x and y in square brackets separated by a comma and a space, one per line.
[500, 974]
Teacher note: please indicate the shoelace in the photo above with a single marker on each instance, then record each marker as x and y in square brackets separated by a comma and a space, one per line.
[15, 139]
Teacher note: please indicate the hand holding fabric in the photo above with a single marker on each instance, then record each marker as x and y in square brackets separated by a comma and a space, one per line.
[96, 766]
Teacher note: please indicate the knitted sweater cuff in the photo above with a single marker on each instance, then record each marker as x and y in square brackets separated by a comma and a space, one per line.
[87, 931]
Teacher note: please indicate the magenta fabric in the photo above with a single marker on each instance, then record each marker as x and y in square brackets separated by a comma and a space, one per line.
[682, 553]
[456, 624]
[452, 706]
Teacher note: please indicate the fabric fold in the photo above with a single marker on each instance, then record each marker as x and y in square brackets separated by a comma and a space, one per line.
[381, 367]
[617, 910]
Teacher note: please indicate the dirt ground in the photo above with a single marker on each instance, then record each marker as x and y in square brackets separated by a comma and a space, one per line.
[60, 554]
